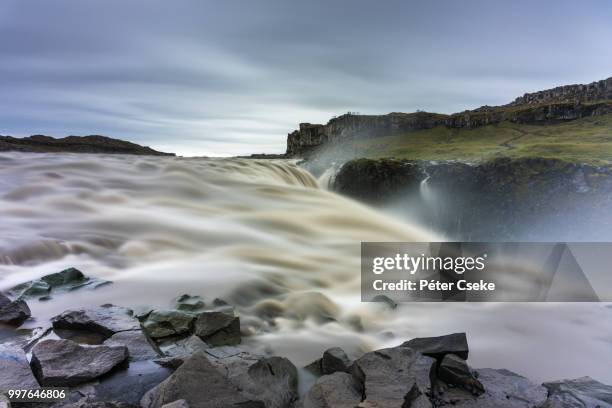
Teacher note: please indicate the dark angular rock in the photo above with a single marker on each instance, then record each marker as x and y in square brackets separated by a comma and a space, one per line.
[334, 359]
[58, 363]
[218, 328]
[338, 390]
[454, 370]
[190, 303]
[438, 347]
[201, 385]
[15, 370]
[13, 313]
[138, 345]
[164, 323]
[68, 279]
[105, 320]
[273, 380]
[503, 389]
[394, 377]
[578, 393]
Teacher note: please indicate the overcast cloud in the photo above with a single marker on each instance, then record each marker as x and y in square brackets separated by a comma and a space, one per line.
[201, 77]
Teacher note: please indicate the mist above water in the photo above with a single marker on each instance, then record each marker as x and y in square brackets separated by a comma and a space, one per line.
[266, 237]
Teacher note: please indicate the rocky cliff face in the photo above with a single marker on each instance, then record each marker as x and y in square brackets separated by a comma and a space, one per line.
[309, 136]
[75, 144]
[595, 91]
[551, 106]
[502, 199]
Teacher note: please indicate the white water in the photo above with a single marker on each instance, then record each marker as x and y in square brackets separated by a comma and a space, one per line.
[263, 235]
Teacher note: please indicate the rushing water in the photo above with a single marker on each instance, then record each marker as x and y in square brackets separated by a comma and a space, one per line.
[266, 237]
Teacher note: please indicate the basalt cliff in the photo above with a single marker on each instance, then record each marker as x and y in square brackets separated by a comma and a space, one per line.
[561, 104]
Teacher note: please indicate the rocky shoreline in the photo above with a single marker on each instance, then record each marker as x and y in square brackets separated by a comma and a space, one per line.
[191, 356]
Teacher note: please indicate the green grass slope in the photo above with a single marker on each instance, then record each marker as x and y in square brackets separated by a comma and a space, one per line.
[587, 140]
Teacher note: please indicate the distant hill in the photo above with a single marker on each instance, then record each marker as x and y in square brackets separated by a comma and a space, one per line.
[572, 122]
[75, 144]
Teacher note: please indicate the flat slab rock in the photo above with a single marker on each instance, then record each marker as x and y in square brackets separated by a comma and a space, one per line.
[393, 377]
[58, 363]
[503, 389]
[578, 393]
[105, 320]
[15, 371]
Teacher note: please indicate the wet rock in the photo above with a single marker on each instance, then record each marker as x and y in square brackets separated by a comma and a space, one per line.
[170, 362]
[15, 370]
[454, 370]
[85, 403]
[578, 393]
[338, 390]
[184, 347]
[394, 377]
[217, 302]
[218, 328]
[68, 279]
[438, 347]
[200, 385]
[177, 404]
[273, 380]
[503, 389]
[334, 359]
[128, 385]
[386, 300]
[164, 323]
[105, 320]
[138, 345]
[190, 303]
[58, 363]
[13, 313]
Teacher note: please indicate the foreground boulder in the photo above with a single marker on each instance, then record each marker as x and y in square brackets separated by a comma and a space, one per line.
[578, 393]
[105, 321]
[438, 347]
[15, 372]
[13, 313]
[200, 385]
[58, 363]
[338, 390]
[394, 377]
[218, 328]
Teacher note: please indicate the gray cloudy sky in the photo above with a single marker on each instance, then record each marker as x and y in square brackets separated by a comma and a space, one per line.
[234, 77]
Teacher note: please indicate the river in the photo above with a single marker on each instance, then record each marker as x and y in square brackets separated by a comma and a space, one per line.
[265, 236]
